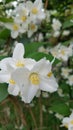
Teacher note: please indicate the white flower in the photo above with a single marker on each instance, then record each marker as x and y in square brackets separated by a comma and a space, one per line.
[56, 34]
[60, 92]
[54, 50]
[20, 10]
[59, 116]
[70, 80]
[39, 77]
[53, 12]
[8, 65]
[66, 33]
[15, 29]
[31, 29]
[65, 72]
[40, 37]
[68, 122]
[56, 24]
[36, 10]
[61, 52]
[65, 52]
[44, 108]
[47, 15]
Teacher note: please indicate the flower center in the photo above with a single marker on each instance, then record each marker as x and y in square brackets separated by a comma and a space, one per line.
[32, 26]
[15, 27]
[20, 64]
[34, 10]
[71, 122]
[34, 78]
[49, 74]
[23, 18]
[62, 52]
[11, 81]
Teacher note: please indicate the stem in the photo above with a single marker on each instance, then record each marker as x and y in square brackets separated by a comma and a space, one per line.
[46, 4]
[32, 115]
[19, 109]
[41, 112]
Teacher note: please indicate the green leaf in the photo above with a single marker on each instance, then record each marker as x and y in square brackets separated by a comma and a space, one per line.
[4, 34]
[3, 19]
[32, 47]
[3, 91]
[67, 24]
[60, 108]
[2, 57]
[38, 55]
[7, 1]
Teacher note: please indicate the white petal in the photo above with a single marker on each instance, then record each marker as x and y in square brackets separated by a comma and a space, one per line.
[48, 84]
[20, 76]
[38, 4]
[14, 34]
[18, 51]
[42, 67]
[31, 92]
[4, 77]
[29, 63]
[29, 5]
[13, 89]
[66, 120]
[4, 62]
[9, 26]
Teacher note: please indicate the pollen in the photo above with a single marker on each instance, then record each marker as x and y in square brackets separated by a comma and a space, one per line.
[71, 122]
[20, 64]
[49, 74]
[32, 26]
[62, 52]
[15, 27]
[23, 18]
[34, 10]
[11, 81]
[34, 78]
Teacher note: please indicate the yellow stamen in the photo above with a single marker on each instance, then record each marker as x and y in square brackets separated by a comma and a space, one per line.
[32, 26]
[23, 18]
[34, 78]
[71, 122]
[66, 125]
[15, 27]
[34, 10]
[11, 81]
[20, 64]
[49, 74]
[62, 52]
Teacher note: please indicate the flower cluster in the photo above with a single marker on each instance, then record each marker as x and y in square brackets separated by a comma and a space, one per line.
[62, 52]
[27, 17]
[26, 76]
[56, 25]
[67, 74]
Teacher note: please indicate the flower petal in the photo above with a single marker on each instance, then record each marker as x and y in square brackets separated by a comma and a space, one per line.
[38, 4]
[29, 95]
[18, 51]
[48, 84]
[4, 62]
[14, 34]
[4, 77]
[13, 89]
[20, 76]
[42, 67]
[29, 63]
